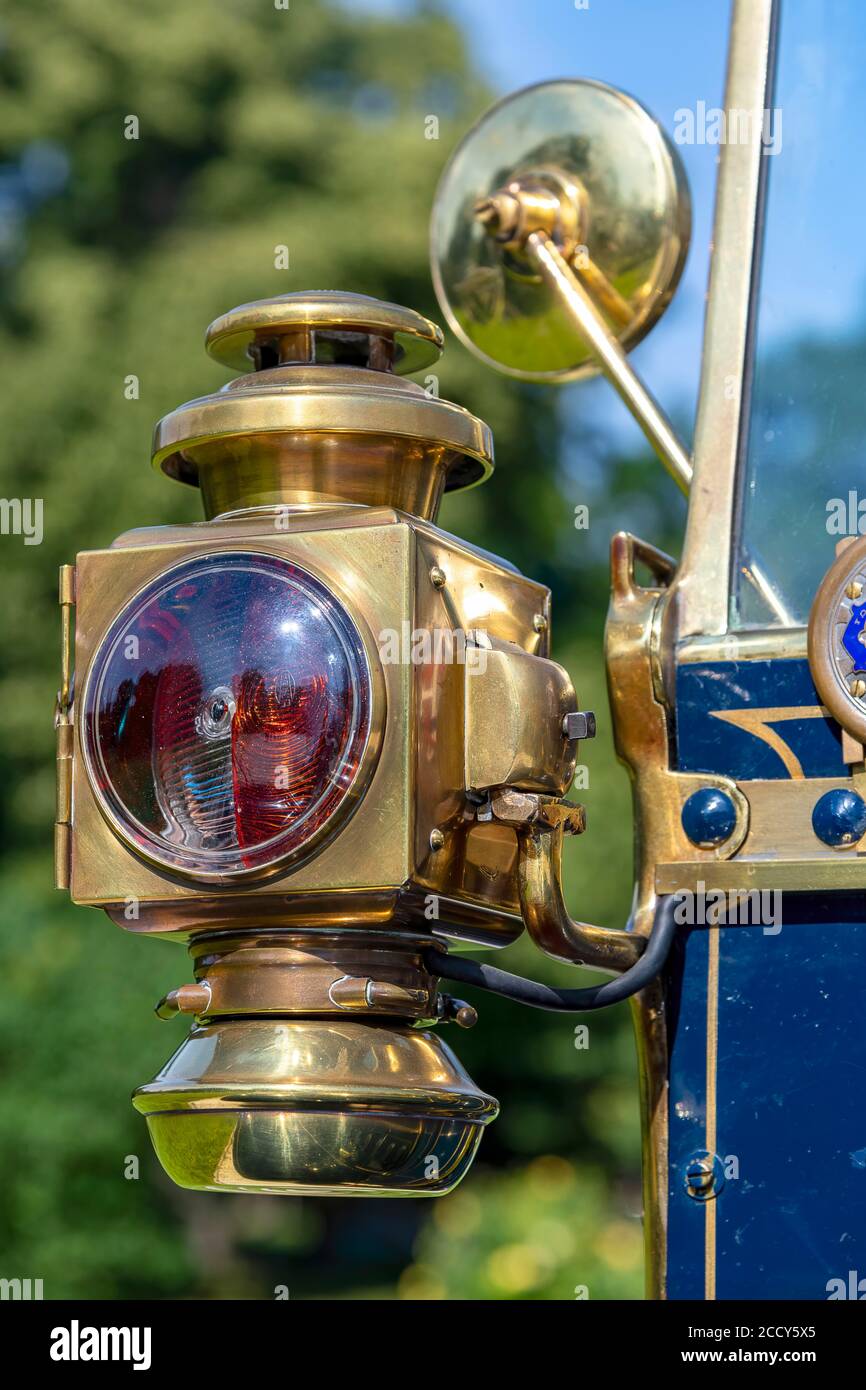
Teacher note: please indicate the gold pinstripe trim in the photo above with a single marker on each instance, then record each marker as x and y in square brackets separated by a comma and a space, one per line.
[712, 1068]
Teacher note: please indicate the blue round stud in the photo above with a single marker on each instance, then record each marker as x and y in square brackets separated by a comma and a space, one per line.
[839, 818]
[709, 817]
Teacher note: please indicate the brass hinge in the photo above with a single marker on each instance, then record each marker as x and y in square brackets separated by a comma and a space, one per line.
[63, 723]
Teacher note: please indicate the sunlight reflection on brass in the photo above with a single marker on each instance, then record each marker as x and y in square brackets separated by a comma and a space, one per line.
[333, 1107]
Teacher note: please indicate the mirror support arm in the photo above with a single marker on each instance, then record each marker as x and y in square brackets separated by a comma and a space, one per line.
[616, 367]
[611, 359]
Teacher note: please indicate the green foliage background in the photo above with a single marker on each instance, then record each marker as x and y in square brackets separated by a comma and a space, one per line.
[258, 127]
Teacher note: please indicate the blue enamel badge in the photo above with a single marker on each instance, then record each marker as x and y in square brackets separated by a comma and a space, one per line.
[852, 638]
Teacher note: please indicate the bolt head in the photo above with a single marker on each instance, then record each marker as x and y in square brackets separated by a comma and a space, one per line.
[438, 577]
[466, 1016]
[704, 1176]
[579, 724]
[437, 839]
[499, 214]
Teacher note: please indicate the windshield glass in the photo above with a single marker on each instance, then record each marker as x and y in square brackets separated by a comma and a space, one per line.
[804, 481]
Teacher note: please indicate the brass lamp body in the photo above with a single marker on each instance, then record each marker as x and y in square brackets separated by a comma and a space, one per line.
[311, 1066]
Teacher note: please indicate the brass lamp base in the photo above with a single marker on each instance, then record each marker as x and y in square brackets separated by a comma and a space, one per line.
[312, 1069]
[314, 1106]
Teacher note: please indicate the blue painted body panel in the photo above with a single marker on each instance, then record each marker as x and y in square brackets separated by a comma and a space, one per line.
[687, 1051]
[791, 1103]
[791, 1039]
[708, 744]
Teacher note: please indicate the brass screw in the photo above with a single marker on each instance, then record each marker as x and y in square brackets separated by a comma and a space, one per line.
[854, 589]
[438, 577]
[700, 1178]
[539, 622]
[437, 839]
[858, 688]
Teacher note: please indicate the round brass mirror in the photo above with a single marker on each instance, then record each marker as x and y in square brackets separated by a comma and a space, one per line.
[593, 169]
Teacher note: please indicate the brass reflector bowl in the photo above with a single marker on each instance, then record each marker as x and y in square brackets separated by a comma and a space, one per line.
[607, 160]
[302, 1107]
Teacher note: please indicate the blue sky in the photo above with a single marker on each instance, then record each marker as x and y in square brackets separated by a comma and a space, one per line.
[671, 54]
[661, 55]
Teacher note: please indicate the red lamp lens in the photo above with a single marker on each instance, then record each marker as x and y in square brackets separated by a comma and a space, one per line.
[227, 713]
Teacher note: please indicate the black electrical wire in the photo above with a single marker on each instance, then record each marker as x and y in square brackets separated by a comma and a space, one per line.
[538, 996]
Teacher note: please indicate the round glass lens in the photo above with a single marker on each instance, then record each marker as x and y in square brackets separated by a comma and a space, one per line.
[227, 713]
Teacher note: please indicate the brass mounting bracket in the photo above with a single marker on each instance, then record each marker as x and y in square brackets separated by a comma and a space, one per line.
[541, 824]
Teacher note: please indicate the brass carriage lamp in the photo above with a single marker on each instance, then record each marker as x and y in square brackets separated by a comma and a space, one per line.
[254, 765]
[321, 742]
